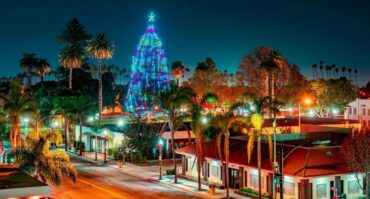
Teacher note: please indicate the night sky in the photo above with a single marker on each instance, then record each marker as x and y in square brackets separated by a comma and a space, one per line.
[191, 30]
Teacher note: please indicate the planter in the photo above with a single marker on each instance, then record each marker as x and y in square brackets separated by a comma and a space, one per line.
[212, 189]
[251, 195]
[119, 164]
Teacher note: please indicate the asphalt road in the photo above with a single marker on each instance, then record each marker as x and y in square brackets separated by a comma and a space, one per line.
[103, 182]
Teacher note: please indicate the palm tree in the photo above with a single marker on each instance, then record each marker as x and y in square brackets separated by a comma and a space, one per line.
[333, 67]
[47, 166]
[64, 106]
[273, 63]
[224, 121]
[344, 69]
[28, 63]
[71, 57]
[17, 103]
[196, 103]
[337, 71]
[350, 73]
[81, 108]
[257, 121]
[314, 70]
[355, 72]
[42, 68]
[327, 68]
[74, 33]
[177, 70]
[321, 68]
[100, 48]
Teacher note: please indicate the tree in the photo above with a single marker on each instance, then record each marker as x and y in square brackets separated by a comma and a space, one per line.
[355, 72]
[82, 107]
[42, 68]
[350, 73]
[224, 121]
[177, 70]
[74, 33]
[63, 106]
[336, 72]
[196, 102]
[17, 103]
[356, 151]
[71, 57]
[333, 93]
[149, 72]
[321, 68]
[47, 166]
[100, 48]
[344, 69]
[257, 121]
[28, 62]
[314, 70]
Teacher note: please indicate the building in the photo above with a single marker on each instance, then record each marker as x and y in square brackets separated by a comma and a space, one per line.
[359, 110]
[16, 184]
[310, 172]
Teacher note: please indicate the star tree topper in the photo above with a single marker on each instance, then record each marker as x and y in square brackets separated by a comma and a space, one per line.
[151, 17]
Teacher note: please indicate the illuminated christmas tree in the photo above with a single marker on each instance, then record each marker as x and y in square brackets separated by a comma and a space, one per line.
[149, 71]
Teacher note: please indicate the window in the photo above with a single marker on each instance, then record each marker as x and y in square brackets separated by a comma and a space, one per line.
[354, 111]
[253, 181]
[289, 188]
[190, 164]
[215, 171]
[350, 110]
[353, 187]
[363, 111]
[321, 191]
[245, 178]
[368, 111]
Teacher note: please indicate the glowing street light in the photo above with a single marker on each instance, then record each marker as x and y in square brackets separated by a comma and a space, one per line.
[121, 123]
[335, 112]
[55, 124]
[26, 120]
[204, 120]
[306, 101]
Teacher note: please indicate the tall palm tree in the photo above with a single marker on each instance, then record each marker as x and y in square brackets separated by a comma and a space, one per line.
[350, 73]
[187, 71]
[333, 67]
[224, 121]
[170, 100]
[314, 70]
[71, 57]
[42, 68]
[16, 104]
[177, 70]
[47, 166]
[196, 103]
[74, 33]
[28, 63]
[82, 107]
[355, 72]
[64, 106]
[257, 121]
[344, 69]
[272, 64]
[100, 48]
[336, 72]
[327, 68]
[321, 68]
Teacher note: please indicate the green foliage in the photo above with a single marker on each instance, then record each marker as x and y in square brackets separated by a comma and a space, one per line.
[251, 191]
[170, 172]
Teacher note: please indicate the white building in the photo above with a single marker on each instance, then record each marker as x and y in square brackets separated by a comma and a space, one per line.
[359, 110]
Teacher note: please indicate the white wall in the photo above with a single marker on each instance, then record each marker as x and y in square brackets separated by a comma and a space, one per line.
[215, 172]
[355, 111]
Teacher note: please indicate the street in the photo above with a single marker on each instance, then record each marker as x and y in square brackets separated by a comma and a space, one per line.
[101, 182]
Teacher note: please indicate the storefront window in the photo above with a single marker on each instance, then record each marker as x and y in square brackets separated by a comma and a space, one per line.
[353, 187]
[321, 191]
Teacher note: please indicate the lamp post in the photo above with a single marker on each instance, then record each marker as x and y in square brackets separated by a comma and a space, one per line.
[105, 146]
[307, 101]
[26, 120]
[160, 158]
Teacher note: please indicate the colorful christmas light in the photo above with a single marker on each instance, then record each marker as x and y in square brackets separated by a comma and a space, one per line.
[149, 71]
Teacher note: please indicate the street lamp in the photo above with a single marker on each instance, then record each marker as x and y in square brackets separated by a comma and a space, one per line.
[204, 120]
[105, 132]
[160, 158]
[26, 120]
[120, 123]
[306, 101]
[335, 112]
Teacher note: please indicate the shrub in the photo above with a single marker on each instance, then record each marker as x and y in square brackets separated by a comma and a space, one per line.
[170, 172]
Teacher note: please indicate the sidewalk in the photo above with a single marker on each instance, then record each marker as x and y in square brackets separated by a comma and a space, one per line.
[151, 173]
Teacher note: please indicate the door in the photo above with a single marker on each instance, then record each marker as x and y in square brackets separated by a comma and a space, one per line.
[234, 178]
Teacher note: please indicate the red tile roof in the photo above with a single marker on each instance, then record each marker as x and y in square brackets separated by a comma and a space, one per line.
[303, 162]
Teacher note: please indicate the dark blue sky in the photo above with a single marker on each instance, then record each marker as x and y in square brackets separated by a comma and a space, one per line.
[304, 31]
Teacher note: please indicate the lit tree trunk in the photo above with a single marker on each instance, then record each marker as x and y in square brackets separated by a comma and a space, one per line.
[259, 165]
[96, 147]
[199, 149]
[81, 137]
[42, 79]
[173, 146]
[226, 149]
[66, 134]
[70, 78]
[100, 89]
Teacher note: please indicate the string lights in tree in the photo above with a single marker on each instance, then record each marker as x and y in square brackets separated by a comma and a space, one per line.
[149, 71]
